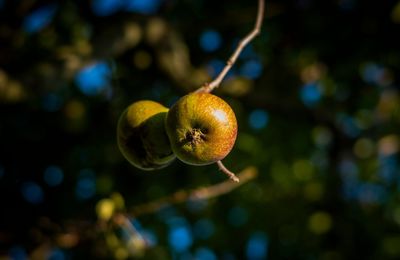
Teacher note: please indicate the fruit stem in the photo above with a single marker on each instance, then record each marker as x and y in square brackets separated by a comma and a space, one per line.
[230, 174]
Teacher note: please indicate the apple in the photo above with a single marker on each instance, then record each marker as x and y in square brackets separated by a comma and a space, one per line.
[141, 135]
[201, 128]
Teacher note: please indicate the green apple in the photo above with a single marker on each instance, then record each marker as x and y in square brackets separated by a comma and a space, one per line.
[202, 128]
[141, 135]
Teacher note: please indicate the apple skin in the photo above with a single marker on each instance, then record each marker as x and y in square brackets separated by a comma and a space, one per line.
[141, 135]
[202, 128]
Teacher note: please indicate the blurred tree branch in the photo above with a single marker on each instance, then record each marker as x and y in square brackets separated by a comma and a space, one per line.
[72, 234]
[202, 193]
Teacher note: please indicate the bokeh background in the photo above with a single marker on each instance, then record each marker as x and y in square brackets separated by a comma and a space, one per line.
[316, 96]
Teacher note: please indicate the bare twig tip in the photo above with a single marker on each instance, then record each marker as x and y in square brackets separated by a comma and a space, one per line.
[231, 61]
[235, 179]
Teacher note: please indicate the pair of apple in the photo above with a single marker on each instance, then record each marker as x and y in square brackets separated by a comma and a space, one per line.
[199, 129]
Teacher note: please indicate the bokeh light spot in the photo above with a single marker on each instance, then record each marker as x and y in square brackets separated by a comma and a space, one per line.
[364, 118]
[281, 174]
[388, 168]
[257, 246]
[322, 136]
[373, 73]
[52, 102]
[214, 67]
[104, 184]
[167, 214]
[313, 72]
[142, 60]
[196, 205]
[395, 15]
[391, 245]
[303, 170]
[364, 148]
[238, 216]
[247, 53]
[348, 125]
[53, 175]
[320, 159]
[85, 188]
[203, 229]
[180, 238]
[238, 86]
[75, 109]
[320, 222]
[132, 34]
[251, 69]
[121, 253]
[369, 72]
[86, 185]
[310, 94]
[39, 18]
[389, 145]
[18, 253]
[32, 192]
[143, 6]
[155, 30]
[389, 104]
[57, 254]
[106, 7]
[94, 78]
[348, 170]
[118, 200]
[370, 193]
[258, 119]
[205, 253]
[210, 40]
[313, 191]
[396, 215]
[105, 209]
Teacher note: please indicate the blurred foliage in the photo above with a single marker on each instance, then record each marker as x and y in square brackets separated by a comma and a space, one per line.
[316, 96]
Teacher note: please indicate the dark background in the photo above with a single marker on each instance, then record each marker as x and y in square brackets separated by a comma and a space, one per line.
[316, 96]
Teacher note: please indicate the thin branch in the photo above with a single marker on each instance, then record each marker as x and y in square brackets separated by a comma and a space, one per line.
[225, 170]
[209, 87]
[202, 193]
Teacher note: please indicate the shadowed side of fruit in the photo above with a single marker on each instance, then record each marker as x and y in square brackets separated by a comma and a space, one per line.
[141, 136]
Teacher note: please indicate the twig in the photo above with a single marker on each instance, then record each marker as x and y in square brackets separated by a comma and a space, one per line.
[230, 174]
[202, 193]
[208, 87]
